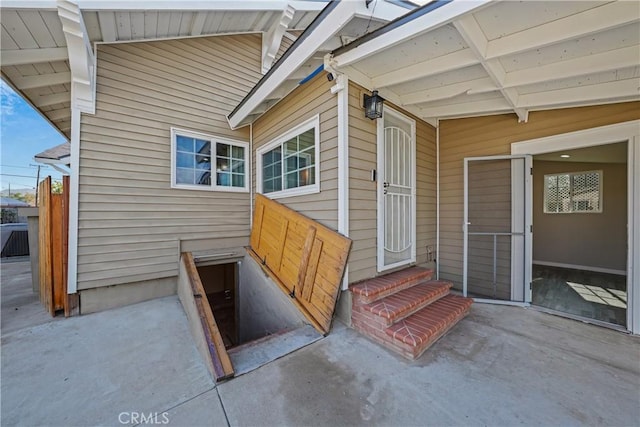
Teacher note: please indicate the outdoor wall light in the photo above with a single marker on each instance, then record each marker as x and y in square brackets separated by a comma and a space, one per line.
[373, 105]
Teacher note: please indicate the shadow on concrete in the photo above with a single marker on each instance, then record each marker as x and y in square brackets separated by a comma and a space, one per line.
[500, 366]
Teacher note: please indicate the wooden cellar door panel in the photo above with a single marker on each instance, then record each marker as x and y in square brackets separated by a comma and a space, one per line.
[304, 257]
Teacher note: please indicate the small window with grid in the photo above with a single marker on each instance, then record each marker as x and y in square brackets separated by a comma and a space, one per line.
[288, 165]
[574, 192]
[203, 162]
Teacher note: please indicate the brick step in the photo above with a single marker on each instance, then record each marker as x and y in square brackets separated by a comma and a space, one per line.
[377, 288]
[396, 307]
[411, 336]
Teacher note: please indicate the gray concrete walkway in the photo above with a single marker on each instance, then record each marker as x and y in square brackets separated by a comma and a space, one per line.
[501, 366]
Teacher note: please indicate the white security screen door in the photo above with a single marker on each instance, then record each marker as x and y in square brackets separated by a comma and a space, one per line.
[396, 190]
[497, 228]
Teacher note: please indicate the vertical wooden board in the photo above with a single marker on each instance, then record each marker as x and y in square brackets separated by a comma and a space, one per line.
[304, 258]
[257, 226]
[57, 250]
[46, 273]
[277, 262]
[310, 275]
[297, 249]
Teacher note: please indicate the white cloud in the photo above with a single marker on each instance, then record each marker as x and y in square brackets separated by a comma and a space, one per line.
[8, 99]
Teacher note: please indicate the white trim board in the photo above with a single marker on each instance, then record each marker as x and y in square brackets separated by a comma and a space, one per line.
[213, 140]
[380, 200]
[74, 197]
[580, 139]
[342, 89]
[311, 123]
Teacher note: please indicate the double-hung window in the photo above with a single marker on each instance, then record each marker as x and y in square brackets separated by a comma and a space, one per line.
[573, 192]
[289, 165]
[205, 162]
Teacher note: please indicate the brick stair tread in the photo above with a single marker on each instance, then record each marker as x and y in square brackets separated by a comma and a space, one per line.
[379, 285]
[401, 304]
[430, 321]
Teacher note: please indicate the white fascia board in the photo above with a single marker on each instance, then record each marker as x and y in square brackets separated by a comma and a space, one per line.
[173, 5]
[420, 25]
[191, 5]
[28, 4]
[337, 19]
[56, 164]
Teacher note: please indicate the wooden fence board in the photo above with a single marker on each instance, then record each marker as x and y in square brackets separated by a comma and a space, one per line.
[44, 246]
[53, 248]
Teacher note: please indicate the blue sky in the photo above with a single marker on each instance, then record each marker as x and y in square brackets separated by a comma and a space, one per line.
[24, 134]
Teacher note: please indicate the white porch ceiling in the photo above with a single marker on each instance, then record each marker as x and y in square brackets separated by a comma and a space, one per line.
[502, 56]
[34, 57]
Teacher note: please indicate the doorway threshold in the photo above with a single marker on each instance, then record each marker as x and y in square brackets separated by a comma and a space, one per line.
[600, 323]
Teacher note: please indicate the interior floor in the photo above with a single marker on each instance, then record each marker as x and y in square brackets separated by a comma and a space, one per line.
[588, 294]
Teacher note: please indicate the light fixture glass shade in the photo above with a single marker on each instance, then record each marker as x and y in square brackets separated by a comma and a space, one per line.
[373, 105]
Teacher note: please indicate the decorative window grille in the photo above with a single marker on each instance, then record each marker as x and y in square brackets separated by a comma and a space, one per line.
[573, 192]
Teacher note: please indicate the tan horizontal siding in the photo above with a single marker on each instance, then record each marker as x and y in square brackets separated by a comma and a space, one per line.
[131, 221]
[303, 103]
[285, 44]
[493, 135]
[362, 191]
[363, 195]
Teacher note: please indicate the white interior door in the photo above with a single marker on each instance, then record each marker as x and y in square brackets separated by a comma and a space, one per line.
[497, 245]
[396, 191]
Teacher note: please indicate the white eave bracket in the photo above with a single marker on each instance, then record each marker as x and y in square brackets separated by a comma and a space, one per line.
[82, 61]
[272, 39]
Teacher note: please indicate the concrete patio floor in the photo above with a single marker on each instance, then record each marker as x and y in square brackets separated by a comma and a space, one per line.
[500, 366]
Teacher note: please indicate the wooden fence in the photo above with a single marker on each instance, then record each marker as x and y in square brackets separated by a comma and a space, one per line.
[53, 248]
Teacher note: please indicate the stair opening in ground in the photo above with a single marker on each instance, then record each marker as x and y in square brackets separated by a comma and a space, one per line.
[220, 282]
[276, 296]
[253, 320]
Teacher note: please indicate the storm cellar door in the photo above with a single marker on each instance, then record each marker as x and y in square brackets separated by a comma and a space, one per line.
[306, 259]
[283, 291]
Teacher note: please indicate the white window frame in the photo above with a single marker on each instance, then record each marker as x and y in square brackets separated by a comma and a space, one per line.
[312, 123]
[571, 175]
[213, 140]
